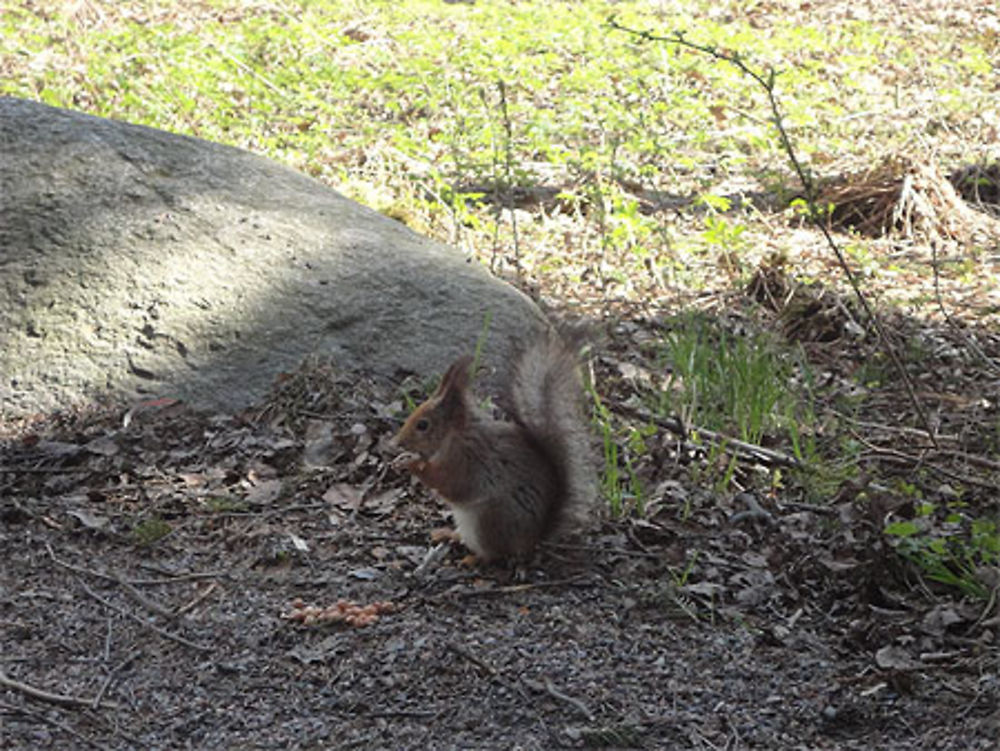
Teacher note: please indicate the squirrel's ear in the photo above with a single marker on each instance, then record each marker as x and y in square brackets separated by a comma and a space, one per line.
[457, 377]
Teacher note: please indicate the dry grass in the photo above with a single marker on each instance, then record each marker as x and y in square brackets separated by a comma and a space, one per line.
[910, 200]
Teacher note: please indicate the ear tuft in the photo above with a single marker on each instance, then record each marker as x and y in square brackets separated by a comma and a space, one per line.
[457, 376]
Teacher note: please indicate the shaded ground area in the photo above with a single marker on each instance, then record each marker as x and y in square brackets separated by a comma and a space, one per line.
[149, 570]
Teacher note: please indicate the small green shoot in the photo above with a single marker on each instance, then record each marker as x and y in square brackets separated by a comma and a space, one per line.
[681, 577]
[744, 387]
[150, 531]
[219, 504]
[481, 342]
[619, 482]
[740, 386]
[955, 559]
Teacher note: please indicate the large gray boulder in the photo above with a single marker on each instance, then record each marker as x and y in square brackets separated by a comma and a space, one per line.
[138, 263]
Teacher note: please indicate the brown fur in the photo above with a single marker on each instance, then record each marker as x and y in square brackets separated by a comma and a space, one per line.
[510, 484]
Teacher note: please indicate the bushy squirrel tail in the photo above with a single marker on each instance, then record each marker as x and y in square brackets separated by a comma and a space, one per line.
[547, 399]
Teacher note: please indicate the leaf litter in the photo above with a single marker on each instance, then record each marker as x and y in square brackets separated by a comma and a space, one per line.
[312, 570]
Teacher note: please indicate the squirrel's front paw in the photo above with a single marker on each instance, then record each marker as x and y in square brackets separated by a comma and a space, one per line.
[409, 460]
[447, 534]
[444, 534]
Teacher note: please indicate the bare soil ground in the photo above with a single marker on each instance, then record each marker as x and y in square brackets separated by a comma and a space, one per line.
[150, 570]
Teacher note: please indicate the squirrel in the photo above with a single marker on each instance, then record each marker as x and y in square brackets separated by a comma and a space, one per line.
[510, 484]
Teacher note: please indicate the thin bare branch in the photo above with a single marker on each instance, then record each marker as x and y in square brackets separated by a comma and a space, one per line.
[767, 81]
[63, 700]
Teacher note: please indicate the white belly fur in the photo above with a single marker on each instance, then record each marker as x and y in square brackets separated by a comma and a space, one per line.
[468, 530]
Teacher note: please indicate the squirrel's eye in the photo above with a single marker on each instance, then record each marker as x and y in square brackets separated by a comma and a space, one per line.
[422, 424]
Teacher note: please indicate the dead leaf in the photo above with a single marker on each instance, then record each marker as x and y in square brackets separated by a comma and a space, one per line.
[708, 589]
[384, 503]
[153, 404]
[103, 446]
[263, 493]
[58, 448]
[895, 658]
[755, 559]
[307, 654]
[88, 519]
[343, 496]
[192, 479]
[260, 471]
[846, 564]
[318, 450]
[938, 620]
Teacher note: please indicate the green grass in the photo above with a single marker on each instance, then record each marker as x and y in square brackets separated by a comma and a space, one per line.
[224, 504]
[621, 448]
[150, 531]
[399, 105]
[748, 387]
[957, 552]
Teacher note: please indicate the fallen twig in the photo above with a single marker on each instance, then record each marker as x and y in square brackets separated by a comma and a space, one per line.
[495, 674]
[169, 578]
[513, 588]
[38, 717]
[63, 700]
[984, 618]
[902, 429]
[431, 558]
[151, 626]
[555, 693]
[816, 215]
[754, 511]
[981, 461]
[114, 672]
[198, 599]
[747, 450]
[652, 555]
[129, 588]
[924, 460]
[463, 652]
[812, 508]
